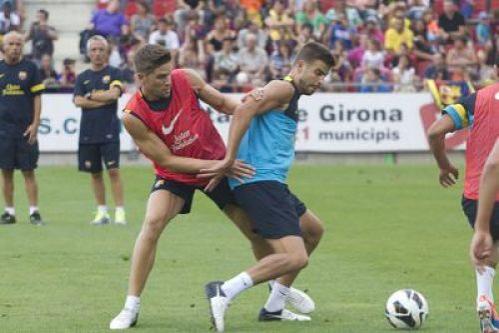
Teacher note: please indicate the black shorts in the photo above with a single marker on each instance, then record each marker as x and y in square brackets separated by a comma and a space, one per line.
[221, 195]
[17, 153]
[470, 210]
[91, 156]
[274, 210]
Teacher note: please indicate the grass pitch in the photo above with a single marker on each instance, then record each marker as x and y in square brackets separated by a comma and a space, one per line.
[388, 227]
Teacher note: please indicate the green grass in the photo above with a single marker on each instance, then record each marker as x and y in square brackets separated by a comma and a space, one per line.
[388, 227]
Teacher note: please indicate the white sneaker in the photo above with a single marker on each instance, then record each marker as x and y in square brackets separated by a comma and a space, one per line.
[283, 315]
[489, 320]
[300, 301]
[218, 303]
[125, 319]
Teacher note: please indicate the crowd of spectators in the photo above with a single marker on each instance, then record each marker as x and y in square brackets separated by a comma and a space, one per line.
[378, 45]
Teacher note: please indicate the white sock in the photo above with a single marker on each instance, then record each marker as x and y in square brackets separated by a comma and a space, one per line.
[120, 209]
[237, 284]
[132, 303]
[484, 282]
[32, 209]
[102, 209]
[10, 210]
[277, 297]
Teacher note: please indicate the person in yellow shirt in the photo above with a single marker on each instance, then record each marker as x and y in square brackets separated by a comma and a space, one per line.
[398, 35]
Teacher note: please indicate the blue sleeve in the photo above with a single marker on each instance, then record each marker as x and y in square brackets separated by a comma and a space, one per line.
[461, 113]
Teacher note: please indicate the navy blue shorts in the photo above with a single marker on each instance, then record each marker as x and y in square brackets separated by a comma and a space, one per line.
[470, 208]
[273, 209]
[221, 195]
[17, 153]
[91, 156]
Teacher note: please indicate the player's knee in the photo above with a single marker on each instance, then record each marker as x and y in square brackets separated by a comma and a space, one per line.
[316, 231]
[153, 226]
[299, 260]
[114, 174]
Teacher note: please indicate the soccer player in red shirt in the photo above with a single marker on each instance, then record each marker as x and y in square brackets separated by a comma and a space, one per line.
[480, 113]
[168, 125]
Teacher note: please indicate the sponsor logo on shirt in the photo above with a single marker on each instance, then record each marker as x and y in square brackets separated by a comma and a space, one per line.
[23, 75]
[169, 129]
[86, 82]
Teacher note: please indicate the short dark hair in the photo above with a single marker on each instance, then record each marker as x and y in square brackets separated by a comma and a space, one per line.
[44, 13]
[313, 51]
[149, 57]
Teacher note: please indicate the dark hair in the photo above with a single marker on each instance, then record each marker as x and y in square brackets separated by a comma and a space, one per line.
[314, 51]
[144, 5]
[44, 13]
[150, 57]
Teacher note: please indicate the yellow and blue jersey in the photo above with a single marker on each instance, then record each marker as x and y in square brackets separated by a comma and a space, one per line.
[99, 125]
[19, 84]
[462, 112]
[269, 143]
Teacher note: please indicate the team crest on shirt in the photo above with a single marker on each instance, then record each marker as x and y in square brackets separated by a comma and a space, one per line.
[106, 79]
[23, 75]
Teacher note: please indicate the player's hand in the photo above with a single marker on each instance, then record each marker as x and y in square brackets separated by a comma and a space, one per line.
[481, 249]
[32, 133]
[217, 169]
[240, 170]
[448, 176]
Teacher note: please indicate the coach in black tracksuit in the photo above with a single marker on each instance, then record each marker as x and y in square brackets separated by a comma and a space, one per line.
[20, 108]
[97, 91]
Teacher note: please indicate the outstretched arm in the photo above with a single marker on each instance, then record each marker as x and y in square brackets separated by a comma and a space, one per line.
[152, 147]
[276, 94]
[211, 96]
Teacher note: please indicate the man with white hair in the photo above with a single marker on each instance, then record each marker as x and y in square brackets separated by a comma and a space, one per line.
[20, 108]
[97, 91]
[253, 60]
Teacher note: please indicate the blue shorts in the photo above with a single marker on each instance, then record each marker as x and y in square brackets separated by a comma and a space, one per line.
[470, 208]
[91, 156]
[221, 195]
[273, 209]
[17, 153]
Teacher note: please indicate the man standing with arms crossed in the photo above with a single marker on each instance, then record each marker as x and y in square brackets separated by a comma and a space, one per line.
[479, 112]
[20, 108]
[97, 91]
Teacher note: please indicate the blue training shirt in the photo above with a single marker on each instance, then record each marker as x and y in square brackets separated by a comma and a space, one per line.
[269, 143]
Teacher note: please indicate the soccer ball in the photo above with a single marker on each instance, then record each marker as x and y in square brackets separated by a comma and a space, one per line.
[407, 309]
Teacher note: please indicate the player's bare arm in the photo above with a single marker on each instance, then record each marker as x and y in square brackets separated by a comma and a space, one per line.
[85, 103]
[482, 244]
[436, 138]
[276, 94]
[152, 146]
[211, 96]
[32, 130]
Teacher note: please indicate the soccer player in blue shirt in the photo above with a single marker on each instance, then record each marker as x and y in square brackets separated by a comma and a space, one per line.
[262, 133]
